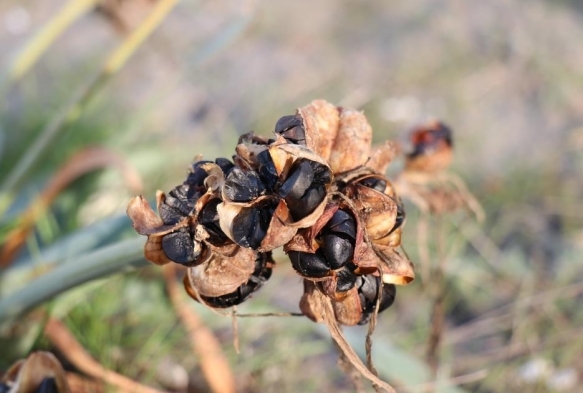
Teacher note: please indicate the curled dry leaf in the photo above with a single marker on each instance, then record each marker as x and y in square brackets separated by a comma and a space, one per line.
[395, 268]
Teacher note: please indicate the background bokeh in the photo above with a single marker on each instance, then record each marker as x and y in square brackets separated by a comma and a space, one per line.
[507, 76]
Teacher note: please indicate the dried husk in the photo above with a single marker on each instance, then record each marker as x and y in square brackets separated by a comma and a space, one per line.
[348, 310]
[321, 121]
[310, 303]
[395, 268]
[378, 211]
[28, 374]
[381, 156]
[223, 274]
[352, 146]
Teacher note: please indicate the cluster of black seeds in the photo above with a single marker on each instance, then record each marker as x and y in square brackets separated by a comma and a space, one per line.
[310, 189]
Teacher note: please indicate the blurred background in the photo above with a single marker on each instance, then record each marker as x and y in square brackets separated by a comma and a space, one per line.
[102, 100]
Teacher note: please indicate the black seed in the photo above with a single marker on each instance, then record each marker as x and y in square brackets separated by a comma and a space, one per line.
[368, 287]
[338, 250]
[375, 184]
[341, 222]
[267, 170]
[225, 164]
[169, 215]
[306, 204]
[251, 224]
[322, 174]
[179, 247]
[209, 218]
[400, 216]
[300, 179]
[309, 265]
[197, 175]
[243, 186]
[47, 385]
[292, 129]
[346, 280]
[388, 296]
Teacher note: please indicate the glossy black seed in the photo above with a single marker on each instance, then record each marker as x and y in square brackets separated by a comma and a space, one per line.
[300, 179]
[388, 296]
[292, 129]
[209, 218]
[400, 216]
[375, 184]
[309, 265]
[346, 280]
[243, 186]
[322, 174]
[47, 385]
[179, 247]
[300, 208]
[261, 274]
[225, 164]
[368, 287]
[251, 224]
[4, 388]
[177, 205]
[341, 222]
[197, 175]
[267, 171]
[338, 250]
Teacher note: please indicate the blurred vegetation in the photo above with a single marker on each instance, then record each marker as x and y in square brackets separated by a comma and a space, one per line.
[506, 76]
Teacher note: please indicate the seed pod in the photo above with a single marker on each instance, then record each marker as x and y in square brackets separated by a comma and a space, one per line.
[377, 210]
[432, 148]
[223, 274]
[263, 267]
[395, 269]
[352, 146]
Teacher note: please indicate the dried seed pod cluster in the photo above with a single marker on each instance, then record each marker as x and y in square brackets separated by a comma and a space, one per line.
[317, 188]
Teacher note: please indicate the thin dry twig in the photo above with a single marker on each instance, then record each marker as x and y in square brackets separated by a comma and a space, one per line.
[205, 345]
[66, 343]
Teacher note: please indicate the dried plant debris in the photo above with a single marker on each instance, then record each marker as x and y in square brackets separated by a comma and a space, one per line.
[41, 372]
[316, 188]
[425, 180]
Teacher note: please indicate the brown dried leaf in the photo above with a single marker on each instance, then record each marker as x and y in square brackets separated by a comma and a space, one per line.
[353, 144]
[223, 274]
[310, 304]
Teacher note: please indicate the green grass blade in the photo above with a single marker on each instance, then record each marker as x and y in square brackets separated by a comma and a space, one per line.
[43, 39]
[103, 262]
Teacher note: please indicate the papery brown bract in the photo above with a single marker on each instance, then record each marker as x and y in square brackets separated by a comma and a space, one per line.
[352, 145]
[39, 371]
[321, 122]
